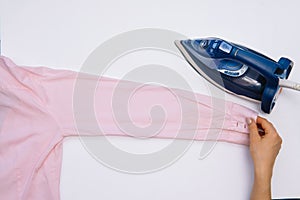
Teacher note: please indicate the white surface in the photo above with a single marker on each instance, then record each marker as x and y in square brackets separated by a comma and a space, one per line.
[61, 34]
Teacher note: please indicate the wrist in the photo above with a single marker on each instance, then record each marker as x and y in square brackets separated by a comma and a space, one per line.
[263, 176]
[263, 170]
[261, 186]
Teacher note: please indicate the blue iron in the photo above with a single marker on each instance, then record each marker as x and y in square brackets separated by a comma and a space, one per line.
[239, 70]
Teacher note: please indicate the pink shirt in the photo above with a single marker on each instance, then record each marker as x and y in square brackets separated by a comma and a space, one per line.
[38, 110]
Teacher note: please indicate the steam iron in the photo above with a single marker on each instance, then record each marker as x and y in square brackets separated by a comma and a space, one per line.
[239, 70]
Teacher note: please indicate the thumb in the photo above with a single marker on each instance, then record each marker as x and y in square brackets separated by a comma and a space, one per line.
[253, 131]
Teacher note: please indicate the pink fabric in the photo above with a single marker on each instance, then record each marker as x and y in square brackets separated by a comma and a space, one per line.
[37, 113]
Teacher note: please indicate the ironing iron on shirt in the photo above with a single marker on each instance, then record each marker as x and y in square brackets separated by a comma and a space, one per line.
[239, 70]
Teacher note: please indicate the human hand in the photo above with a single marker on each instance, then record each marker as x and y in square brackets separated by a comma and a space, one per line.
[264, 148]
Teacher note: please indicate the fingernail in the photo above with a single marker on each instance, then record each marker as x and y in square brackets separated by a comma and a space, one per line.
[249, 121]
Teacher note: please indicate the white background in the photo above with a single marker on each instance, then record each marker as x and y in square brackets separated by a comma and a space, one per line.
[61, 34]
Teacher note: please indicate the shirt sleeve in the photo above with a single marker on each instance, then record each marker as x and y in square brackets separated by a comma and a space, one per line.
[87, 104]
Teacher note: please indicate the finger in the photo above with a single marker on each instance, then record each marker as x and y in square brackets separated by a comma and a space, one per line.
[253, 132]
[265, 125]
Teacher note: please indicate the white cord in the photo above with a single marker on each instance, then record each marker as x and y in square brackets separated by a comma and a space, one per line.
[289, 84]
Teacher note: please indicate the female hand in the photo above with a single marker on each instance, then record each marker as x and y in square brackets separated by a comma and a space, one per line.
[264, 148]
